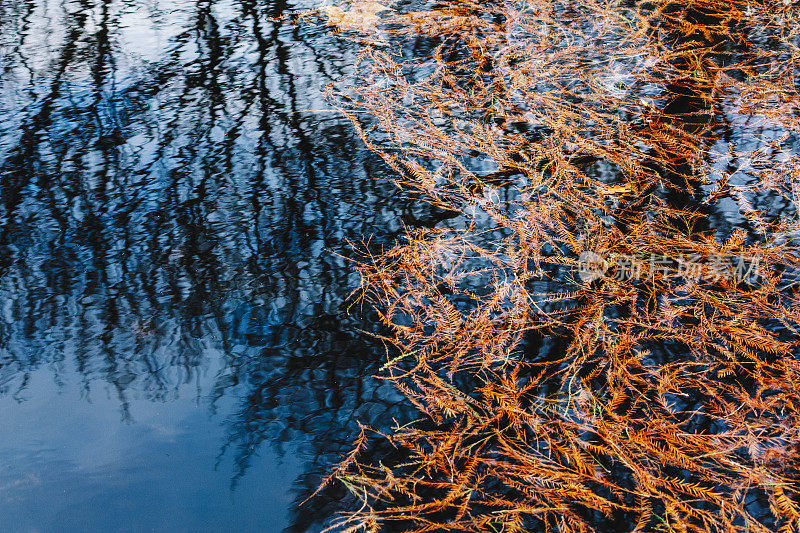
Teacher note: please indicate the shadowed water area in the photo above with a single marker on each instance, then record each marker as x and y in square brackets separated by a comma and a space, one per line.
[176, 351]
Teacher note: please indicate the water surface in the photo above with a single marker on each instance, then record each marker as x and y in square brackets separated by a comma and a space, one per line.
[176, 351]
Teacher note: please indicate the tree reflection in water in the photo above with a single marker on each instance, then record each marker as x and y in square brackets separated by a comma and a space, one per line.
[173, 196]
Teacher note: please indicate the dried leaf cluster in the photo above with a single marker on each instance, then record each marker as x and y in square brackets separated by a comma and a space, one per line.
[660, 399]
[360, 17]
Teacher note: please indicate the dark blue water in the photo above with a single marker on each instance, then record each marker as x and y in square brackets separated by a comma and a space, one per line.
[176, 351]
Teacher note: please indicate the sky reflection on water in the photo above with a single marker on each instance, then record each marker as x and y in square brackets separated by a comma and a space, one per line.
[175, 352]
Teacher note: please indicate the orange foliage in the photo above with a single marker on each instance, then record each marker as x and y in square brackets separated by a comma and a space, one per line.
[657, 393]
